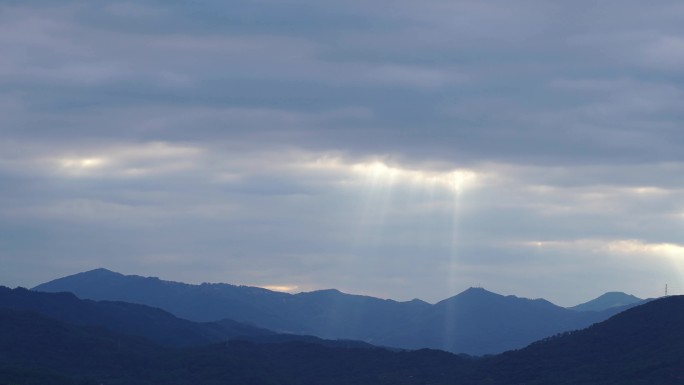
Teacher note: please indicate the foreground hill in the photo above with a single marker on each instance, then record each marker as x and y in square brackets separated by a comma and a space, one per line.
[643, 345]
[38, 349]
[473, 322]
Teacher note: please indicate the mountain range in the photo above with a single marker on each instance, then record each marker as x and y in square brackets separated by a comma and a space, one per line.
[475, 321]
[642, 345]
[127, 318]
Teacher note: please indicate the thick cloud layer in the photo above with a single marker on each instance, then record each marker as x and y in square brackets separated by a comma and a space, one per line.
[400, 149]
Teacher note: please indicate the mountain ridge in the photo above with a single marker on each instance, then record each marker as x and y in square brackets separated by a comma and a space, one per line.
[487, 322]
[642, 345]
[129, 318]
[608, 300]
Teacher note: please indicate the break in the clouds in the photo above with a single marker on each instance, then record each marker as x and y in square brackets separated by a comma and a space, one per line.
[395, 148]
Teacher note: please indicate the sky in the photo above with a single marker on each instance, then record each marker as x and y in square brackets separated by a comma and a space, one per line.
[399, 149]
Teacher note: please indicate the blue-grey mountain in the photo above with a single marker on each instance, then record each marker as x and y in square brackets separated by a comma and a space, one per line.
[324, 313]
[128, 318]
[607, 301]
[642, 345]
[473, 322]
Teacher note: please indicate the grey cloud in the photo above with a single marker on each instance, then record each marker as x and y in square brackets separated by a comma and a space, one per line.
[570, 114]
[263, 65]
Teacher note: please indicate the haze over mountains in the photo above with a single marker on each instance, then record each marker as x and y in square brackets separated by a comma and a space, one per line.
[475, 321]
[642, 345]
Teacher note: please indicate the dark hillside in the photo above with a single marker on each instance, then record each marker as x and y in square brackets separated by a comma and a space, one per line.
[33, 344]
[643, 345]
[152, 323]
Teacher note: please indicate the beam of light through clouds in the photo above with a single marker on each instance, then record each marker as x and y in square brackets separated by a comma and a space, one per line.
[399, 149]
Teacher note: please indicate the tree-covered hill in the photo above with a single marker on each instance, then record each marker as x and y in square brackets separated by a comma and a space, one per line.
[643, 345]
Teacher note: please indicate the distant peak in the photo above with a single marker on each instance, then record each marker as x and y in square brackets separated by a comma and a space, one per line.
[99, 272]
[476, 288]
[607, 300]
[472, 293]
[618, 294]
[327, 291]
[476, 291]
[324, 293]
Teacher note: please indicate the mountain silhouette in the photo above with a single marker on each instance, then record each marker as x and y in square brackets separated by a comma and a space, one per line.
[324, 313]
[35, 349]
[479, 322]
[473, 322]
[608, 300]
[127, 318]
[642, 345]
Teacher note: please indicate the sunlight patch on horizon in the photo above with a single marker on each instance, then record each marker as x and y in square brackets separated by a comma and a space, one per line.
[281, 288]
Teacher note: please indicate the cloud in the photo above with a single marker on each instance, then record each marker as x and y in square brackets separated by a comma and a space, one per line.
[404, 150]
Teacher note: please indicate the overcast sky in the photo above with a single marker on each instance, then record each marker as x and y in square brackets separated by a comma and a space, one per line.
[398, 149]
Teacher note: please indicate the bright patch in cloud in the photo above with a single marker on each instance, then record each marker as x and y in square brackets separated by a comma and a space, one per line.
[456, 180]
[641, 248]
[130, 160]
[618, 247]
[82, 163]
[379, 173]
